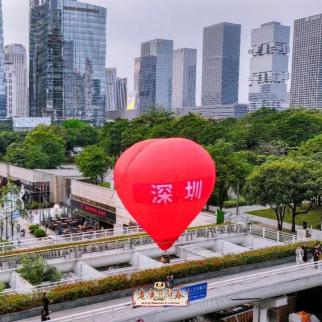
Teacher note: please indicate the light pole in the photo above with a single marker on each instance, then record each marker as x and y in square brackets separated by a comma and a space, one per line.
[237, 200]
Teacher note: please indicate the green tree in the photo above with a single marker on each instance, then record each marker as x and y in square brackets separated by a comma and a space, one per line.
[79, 134]
[35, 271]
[8, 138]
[10, 202]
[311, 147]
[94, 163]
[111, 136]
[29, 156]
[49, 140]
[232, 169]
[280, 184]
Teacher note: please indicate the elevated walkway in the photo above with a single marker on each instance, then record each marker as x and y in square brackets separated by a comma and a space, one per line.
[222, 293]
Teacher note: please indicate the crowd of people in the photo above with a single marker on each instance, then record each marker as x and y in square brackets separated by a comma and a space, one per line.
[303, 253]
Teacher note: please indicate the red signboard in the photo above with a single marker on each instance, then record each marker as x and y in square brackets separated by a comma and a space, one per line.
[94, 211]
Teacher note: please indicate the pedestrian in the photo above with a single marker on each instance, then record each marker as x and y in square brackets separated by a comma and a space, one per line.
[23, 233]
[299, 255]
[171, 281]
[45, 302]
[167, 281]
[44, 316]
[316, 254]
[305, 253]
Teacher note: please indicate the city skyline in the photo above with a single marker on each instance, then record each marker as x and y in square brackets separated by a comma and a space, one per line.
[126, 31]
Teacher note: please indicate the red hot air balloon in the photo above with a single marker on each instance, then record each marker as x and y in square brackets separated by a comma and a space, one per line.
[164, 184]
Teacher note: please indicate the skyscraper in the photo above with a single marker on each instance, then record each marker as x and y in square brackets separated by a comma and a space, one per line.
[155, 75]
[306, 81]
[220, 64]
[147, 83]
[136, 80]
[269, 66]
[184, 78]
[11, 89]
[111, 89]
[67, 60]
[116, 89]
[3, 108]
[16, 76]
[121, 94]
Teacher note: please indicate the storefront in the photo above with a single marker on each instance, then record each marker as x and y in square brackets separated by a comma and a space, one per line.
[94, 214]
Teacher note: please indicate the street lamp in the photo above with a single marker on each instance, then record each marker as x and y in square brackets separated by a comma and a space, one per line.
[237, 200]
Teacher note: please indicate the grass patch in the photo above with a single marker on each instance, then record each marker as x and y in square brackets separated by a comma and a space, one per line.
[313, 217]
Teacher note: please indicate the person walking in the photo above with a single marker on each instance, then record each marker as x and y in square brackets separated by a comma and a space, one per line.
[46, 302]
[316, 254]
[44, 316]
[305, 253]
[299, 255]
[171, 281]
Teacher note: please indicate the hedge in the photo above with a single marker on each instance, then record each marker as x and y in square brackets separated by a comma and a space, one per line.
[19, 302]
[85, 243]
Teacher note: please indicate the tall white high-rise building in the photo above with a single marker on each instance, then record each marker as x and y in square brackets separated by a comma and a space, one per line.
[16, 80]
[184, 78]
[306, 82]
[269, 66]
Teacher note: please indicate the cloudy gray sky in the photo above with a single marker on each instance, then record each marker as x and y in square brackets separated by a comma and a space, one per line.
[131, 22]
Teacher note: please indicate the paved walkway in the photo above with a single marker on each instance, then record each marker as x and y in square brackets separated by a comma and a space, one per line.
[106, 304]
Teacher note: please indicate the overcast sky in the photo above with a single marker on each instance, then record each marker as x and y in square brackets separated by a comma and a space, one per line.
[131, 22]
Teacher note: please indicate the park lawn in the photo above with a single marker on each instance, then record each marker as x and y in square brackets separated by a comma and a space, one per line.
[313, 217]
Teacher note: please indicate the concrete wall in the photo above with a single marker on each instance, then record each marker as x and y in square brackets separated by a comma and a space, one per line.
[104, 196]
[17, 282]
[87, 272]
[141, 261]
[23, 174]
[107, 258]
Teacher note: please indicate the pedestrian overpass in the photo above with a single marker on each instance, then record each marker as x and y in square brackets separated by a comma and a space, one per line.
[221, 295]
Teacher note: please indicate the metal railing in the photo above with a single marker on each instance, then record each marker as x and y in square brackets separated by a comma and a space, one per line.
[75, 251]
[276, 235]
[60, 239]
[244, 282]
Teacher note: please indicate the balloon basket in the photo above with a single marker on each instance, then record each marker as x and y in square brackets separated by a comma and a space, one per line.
[165, 259]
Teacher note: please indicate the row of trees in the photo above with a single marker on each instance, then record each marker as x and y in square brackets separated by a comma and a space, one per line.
[273, 157]
[286, 183]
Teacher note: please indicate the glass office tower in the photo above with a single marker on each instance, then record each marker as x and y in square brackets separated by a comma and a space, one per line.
[306, 80]
[220, 64]
[67, 60]
[155, 75]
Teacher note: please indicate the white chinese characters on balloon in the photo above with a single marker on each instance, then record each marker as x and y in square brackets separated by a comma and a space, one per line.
[162, 193]
[193, 190]
[169, 193]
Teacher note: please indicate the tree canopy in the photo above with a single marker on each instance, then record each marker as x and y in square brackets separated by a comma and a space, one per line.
[94, 163]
